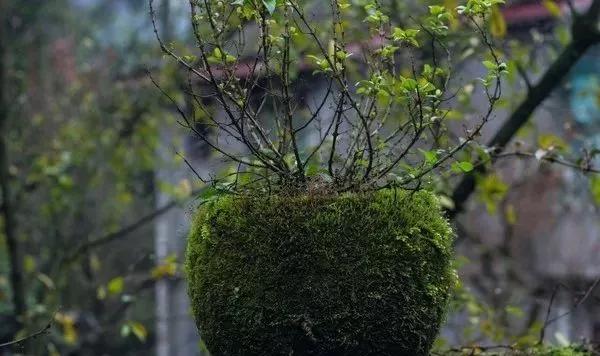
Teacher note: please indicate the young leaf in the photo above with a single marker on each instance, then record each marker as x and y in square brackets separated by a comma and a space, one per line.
[115, 286]
[510, 214]
[69, 329]
[464, 166]
[167, 268]
[551, 142]
[489, 65]
[497, 23]
[430, 156]
[552, 8]
[491, 190]
[595, 189]
[138, 330]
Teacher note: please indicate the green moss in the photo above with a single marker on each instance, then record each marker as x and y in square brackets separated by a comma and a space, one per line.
[356, 274]
[558, 351]
[536, 351]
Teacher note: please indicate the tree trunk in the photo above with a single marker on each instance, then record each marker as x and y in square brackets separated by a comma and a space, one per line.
[7, 208]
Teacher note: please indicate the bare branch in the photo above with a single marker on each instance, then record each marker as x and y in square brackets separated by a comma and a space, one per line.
[581, 300]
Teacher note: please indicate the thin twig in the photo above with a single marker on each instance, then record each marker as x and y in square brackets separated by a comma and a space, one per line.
[548, 311]
[192, 168]
[582, 300]
[30, 336]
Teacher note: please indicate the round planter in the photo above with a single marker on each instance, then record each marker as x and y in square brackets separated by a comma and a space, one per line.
[353, 274]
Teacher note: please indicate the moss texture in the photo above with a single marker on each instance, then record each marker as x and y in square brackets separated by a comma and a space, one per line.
[537, 351]
[354, 274]
[559, 351]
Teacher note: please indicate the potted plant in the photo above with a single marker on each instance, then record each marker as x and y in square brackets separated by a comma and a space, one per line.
[325, 238]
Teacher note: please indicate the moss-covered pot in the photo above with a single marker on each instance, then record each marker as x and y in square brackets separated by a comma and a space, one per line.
[354, 274]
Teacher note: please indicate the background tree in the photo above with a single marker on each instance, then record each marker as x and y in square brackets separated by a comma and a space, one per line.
[79, 138]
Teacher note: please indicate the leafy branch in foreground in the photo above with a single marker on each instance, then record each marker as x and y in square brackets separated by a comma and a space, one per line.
[382, 119]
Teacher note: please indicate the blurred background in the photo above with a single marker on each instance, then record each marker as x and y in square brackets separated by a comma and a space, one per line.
[97, 195]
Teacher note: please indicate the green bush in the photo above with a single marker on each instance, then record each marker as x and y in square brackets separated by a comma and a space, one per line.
[352, 274]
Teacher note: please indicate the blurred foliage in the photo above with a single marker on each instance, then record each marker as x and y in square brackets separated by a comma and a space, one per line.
[83, 130]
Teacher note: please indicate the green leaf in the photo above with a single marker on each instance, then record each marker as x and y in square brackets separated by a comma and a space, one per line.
[29, 263]
[138, 330]
[510, 214]
[115, 286]
[515, 311]
[430, 156]
[552, 8]
[167, 268]
[491, 190]
[595, 189]
[218, 57]
[464, 166]
[125, 330]
[101, 293]
[437, 10]
[562, 34]
[550, 142]
[270, 5]
[489, 65]
[409, 84]
[46, 281]
[409, 36]
[497, 23]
